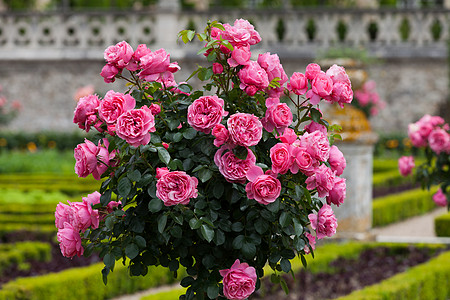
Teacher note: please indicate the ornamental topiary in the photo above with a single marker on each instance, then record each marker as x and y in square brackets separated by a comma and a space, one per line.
[222, 180]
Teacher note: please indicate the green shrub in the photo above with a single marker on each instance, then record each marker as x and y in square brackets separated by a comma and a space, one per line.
[27, 219]
[442, 225]
[41, 230]
[389, 179]
[41, 140]
[393, 208]
[17, 253]
[430, 280]
[28, 209]
[8, 196]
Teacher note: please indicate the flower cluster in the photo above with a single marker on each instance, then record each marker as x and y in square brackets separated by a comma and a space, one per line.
[8, 112]
[432, 134]
[207, 178]
[368, 99]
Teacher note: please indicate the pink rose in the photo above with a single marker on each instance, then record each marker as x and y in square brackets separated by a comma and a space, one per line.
[221, 134]
[253, 78]
[155, 108]
[176, 188]
[91, 159]
[245, 129]
[303, 161]
[109, 73]
[278, 116]
[264, 188]
[337, 160]
[324, 222]
[70, 241]
[112, 205]
[342, 93]
[338, 74]
[63, 214]
[231, 167]
[141, 51]
[245, 25]
[271, 63]
[312, 243]
[119, 55]
[217, 68]
[241, 34]
[338, 192]
[154, 65]
[113, 105]
[85, 112]
[298, 83]
[322, 179]
[416, 137]
[312, 70]
[135, 126]
[281, 157]
[289, 136]
[83, 213]
[439, 198]
[317, 145]
[321, 87]
[239, 281]
[405, 165]
[439, 140]
[239, 56]
[313, 126]
[205, 113]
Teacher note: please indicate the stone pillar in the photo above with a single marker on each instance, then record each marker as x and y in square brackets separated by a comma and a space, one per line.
[168, 27]
[447, 4]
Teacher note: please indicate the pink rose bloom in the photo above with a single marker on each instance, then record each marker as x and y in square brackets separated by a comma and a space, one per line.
[278, 116]
[231, 167]
[324, 222]
[337, 160]
[109, 73]
[84, 215]
[322, 179]
[245, 25]
[205, 113]
[298, 83]
[312, 243]
[239, 281]
[415, 136]
[239, 56]
[317, 145]
[439, 198]
[112, 205]
[303, 161]
[217, 68]
[245, 129]
[135, 126]
[241, 34]
[155, 109]
[281, 157]
[264, 188]
[63, 214]
[439, 140]
[113, 105]
[91, 159]
[70, 241]
[312, 70]
[342, 93]
[253, 78]
[338, 74]
[176, 188]
[289, 136]
[141, 51]
[338, 193]
[119, 55]
[271, 63]
[321, 87]
[154, 65]
[85, 112]
[221, 134]
[405, 165]
[313, 126]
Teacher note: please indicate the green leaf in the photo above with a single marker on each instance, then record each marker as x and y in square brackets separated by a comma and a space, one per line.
[198, 168]
[162, 221]
[237, 227]
[187, 281]
[163, 155]
[174, 265]
[274, 278]
[137, 95]
[218, 190]
[105, 198]
[109, 260]
[261, 225]
[174, 123]
[315, 115]
[140, 241]
[124, 187]
[109, 222]
[204, 174]
[177, 218]
[195, 223]
[274, 206]
[190, 34]
[212, 291]
[105, 272]
[176, 232]
[303, 259]
[155, 205]
[285, 265]
[207, 232]
[238, 242]
[298, 228]
[131, 251]
[284, 286]
[249, 250]
[134, 176]
[285, 219]
[190, 133]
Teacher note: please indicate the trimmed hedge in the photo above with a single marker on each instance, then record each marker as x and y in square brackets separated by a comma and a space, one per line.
[430, 280]
[17, 253]
[41, 230]
[83, 283]
[40, 219]
[397, 207]
[29, 209]
[442, 225]
[389, 178]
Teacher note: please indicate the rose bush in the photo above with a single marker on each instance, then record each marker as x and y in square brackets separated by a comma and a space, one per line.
[221, 181]
[432, 135]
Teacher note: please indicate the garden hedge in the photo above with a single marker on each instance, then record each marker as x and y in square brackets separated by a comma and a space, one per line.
[397, 207]
[37, 219]
[430, 280]
[17, 253]
[442, 225]
[389, 178]
[43, 231]
[83, 283]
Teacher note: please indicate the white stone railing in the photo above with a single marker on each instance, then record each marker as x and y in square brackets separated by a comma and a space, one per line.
[294, 33]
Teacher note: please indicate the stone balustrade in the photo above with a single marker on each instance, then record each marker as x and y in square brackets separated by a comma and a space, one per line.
[294, 33]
